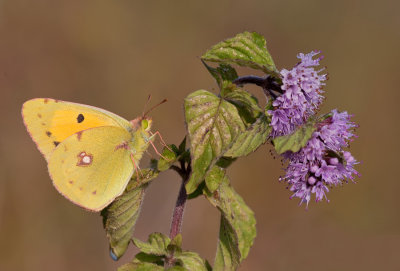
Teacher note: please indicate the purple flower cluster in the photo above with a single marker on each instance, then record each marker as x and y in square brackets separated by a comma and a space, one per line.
[322, 163]
[302, 87]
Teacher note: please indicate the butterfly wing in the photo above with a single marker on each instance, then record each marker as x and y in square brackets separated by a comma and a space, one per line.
[91, 168]
[50, 121]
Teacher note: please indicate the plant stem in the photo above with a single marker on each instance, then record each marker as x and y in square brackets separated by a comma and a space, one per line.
[177, 217]
[178, 211]
[268, 84]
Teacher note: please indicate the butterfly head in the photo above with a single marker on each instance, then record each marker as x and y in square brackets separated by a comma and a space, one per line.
[143, 122]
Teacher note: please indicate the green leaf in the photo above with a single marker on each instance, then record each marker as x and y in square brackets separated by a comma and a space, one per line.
[175, 245]
[198, 191]
[222, 72]
[157, 244]
[254, 136]
[245, 49]
[225, 162]
[139, 266]
[296, 140]
[191, 261]
[237, 229]
[246, 103]
[176, 268]
[177, 241]
[169, 156]
[182, 146]
[142, 177]
[213, 124]
[228, 253]
[148, 258]
[214, 178]
[120, 217]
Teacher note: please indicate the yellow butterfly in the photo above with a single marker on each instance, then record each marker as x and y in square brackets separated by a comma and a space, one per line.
[91, 153]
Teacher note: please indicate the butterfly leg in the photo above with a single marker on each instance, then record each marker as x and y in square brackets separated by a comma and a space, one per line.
[137, 168]
[155, 149]
[161, 139]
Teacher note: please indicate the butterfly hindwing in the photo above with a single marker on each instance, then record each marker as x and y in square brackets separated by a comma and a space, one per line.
[91, 168]
[50, 121]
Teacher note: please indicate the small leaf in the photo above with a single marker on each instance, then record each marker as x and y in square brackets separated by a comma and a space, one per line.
[157, 244]
[225, 162]
[245, 49]
[198, 191]
[148, 258]
[175, 245]
[177, 241]
[237, 229]
[296, 140]
[191, 261]
[212, 124]
[139, 266]
[169, 156]
[182, 146]
[214, 178]
[222, 72]
[246, 104]
[254, 136]
[120, 217]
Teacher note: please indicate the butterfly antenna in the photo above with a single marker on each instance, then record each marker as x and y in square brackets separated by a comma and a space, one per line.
[145, 105]
[163, 101]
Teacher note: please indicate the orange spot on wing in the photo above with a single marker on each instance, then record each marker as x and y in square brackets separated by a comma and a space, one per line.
[39, 115]
[46, 101]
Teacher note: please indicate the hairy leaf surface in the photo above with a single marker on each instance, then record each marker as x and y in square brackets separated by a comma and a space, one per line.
[245, 49]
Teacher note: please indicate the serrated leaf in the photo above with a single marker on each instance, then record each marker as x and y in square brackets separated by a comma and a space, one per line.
[246, 104]
[222, 72]
[140, 267]
[120, 217]
[245, 49]
[254, 136]
[212, 124]
[191, 261]
[296, 140]
[157, 244]
[169, 156]
[237, 229]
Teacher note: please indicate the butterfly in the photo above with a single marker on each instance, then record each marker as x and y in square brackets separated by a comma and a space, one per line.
[91, 153]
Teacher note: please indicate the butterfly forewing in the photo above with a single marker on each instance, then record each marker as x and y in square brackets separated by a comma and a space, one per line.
[50, 121]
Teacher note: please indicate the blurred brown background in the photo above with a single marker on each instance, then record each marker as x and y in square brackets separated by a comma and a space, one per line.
[112, 54]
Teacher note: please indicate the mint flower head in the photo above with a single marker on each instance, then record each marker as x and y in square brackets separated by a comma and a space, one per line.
[302, 88]
[322, 163]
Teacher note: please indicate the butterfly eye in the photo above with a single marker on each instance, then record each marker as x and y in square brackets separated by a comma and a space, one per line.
[145, 124]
